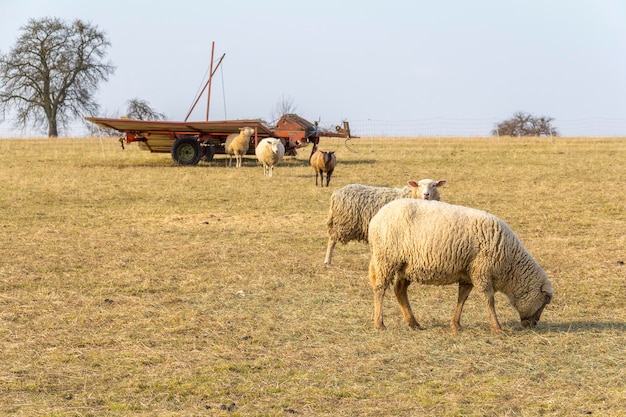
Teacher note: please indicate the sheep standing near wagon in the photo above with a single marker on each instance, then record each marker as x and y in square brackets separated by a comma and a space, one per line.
[237, 144]
[323, 162]
[353, 206]
[441, 244]
[269, 152]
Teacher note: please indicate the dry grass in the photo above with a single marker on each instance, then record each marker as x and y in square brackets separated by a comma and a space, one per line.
[130, 286]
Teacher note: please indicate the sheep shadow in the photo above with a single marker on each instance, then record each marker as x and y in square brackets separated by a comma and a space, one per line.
[581, 326]
[356, 162]
[305, 162]
[299, 163]
[546, 327]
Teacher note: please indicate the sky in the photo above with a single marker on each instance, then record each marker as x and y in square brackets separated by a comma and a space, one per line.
[356, 60]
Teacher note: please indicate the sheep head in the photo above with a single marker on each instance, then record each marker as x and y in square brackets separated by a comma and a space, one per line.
[427, 189]
[274, 144]
[534, 303]
[246, 131]
[328, 156]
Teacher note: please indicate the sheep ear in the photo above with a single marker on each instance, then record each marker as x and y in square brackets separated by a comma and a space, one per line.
[547, 291]
[413, 183]
[441, 183]
[547, 287]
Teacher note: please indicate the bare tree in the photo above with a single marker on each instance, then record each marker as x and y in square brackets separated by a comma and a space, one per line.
[285, 105]
[53, 71]
[525, 124]
[141, 110]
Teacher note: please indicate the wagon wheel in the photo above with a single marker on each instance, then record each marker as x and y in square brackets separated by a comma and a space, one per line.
[186, 151]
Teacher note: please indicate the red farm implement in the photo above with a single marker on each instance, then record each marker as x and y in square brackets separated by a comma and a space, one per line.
[190, 142]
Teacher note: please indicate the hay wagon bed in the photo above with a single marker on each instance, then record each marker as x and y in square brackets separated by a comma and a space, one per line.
[191, 142]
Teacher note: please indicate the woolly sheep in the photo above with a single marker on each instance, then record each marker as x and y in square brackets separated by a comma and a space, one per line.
[353, 206]
[323, 161]
[269, 152]
[237, 144]
[441, 244]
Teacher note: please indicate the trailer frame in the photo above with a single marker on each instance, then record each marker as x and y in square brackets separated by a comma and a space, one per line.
[190, 142]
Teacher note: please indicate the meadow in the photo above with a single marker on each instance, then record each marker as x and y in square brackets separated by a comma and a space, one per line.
[130, 286]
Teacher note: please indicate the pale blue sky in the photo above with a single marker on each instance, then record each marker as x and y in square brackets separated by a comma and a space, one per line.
[358, 60]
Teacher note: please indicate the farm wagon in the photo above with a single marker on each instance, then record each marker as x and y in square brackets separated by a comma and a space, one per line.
[190, 142]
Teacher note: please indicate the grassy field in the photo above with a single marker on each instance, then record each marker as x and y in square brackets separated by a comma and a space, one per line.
[130, 286]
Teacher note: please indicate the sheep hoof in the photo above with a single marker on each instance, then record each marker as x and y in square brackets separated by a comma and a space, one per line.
[413, 324]
[497, 331]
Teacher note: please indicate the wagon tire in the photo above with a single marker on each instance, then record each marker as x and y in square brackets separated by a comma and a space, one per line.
[186, 151]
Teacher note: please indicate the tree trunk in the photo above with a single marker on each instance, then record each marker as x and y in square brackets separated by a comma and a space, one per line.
[53, 131]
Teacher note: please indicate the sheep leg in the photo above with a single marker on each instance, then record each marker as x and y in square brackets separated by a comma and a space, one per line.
[328, 174]
[464, 291]
[329, 251]
[379, 285]
[491, 306]
[400, 288]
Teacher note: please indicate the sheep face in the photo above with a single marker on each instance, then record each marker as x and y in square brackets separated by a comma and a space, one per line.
[247, 131]
[533, 303]
[328, 157]
[427, 188]
[274, 145]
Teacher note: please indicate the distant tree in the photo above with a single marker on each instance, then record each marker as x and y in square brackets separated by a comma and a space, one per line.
[53, 71]
[285, 105]
[141, 110]
[525, 124]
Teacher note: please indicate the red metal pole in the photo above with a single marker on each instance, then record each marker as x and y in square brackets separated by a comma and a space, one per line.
[208, 83]
[208, 96]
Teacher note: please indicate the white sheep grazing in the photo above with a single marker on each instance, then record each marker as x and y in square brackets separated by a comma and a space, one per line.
[441, 244]
[237, 144]
[323, 161]
[269, 152]
[353, 206]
